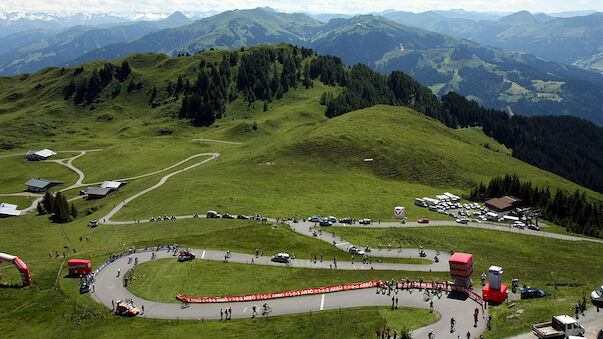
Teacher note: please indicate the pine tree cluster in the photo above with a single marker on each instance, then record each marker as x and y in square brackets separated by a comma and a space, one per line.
[572, 211]
[58, 207]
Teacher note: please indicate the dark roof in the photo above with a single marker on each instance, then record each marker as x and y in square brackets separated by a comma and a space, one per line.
[42, 183]
[498, 203]
[100, 191]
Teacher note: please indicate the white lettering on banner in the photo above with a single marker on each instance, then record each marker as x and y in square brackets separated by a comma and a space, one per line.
[280, 294]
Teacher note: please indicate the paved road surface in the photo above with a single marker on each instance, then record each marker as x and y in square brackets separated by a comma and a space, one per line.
[109, 287]
[219, 141]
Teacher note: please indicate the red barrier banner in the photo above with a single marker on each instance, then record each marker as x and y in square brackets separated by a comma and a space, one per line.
[266, 296]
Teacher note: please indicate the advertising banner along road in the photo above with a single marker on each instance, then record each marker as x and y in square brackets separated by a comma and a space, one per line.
[266, 296]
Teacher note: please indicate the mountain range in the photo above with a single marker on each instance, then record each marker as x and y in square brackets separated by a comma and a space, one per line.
[27, 52]
[519, 83]
[516, 82]
[574, 41]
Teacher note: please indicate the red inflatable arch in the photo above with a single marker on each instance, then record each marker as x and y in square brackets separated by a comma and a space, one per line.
[20, 266]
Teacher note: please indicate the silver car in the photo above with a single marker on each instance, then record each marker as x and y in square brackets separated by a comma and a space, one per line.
[356, 250]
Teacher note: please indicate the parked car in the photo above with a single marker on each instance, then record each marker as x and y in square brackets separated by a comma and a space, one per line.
[325, 222]
[281, 257]
[212, 214]
[533, 292]
[242, 216]
[315, 218]
[346, 221]
[519, 225]
[423, 221]
[597, 295]
[356, 250]
[365, 221]
[332, 219]
[227, 216]
[462, 220]
[93, 223]
[533, 227]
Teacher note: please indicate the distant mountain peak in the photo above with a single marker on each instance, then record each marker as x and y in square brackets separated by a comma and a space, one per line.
[269, 9]
[177, 15]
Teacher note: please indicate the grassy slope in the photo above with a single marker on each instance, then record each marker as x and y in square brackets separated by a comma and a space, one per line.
[476, 136]
[16, 171]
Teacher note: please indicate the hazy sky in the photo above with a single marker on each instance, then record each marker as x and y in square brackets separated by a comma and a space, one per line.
[312, 6]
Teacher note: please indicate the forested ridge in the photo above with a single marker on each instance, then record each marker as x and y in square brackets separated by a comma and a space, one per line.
[570, 147]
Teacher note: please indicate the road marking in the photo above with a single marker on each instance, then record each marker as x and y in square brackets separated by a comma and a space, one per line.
[343, 243]
[322, 302]
[203, 255]
[245, 310]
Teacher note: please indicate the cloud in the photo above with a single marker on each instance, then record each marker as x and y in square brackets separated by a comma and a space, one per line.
[312, 6]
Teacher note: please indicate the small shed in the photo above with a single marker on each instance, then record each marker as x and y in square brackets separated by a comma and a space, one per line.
[39, 155]
[9, 210]
[38, 185]
[79, 266]
[97, 192]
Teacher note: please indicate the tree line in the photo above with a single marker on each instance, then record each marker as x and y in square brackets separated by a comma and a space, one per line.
[572, 211]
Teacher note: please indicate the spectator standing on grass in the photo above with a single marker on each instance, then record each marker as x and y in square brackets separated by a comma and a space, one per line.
[378, 332]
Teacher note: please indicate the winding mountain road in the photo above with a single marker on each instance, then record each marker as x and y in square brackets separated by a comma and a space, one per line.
[109, 287]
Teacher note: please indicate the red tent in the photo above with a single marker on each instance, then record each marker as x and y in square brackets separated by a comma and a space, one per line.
[79, 266]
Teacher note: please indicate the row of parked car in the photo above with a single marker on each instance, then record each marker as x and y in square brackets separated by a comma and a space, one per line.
[329, 221]
[215, 215]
